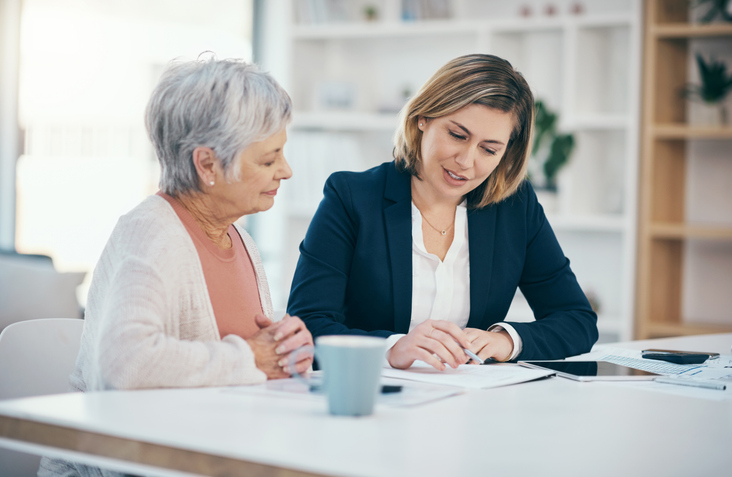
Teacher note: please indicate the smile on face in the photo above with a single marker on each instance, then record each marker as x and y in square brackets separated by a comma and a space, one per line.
[460, 150]
[262, 166]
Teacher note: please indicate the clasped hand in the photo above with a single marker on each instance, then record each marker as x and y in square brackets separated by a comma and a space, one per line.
[439, 342]
[274, 342]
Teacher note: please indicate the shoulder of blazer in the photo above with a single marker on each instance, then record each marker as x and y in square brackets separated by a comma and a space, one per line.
[383, 180]
[524, 205]
[522, 199]
[523, 196]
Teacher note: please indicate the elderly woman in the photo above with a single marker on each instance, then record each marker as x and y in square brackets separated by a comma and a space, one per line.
[428, 250]
[179, 297]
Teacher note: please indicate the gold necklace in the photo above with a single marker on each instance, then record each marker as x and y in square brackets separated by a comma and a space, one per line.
[443, 231]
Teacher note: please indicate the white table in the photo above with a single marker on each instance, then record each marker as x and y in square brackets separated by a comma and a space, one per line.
[549, 427]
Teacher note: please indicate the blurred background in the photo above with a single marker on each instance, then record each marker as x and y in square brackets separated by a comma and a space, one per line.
[75, 76]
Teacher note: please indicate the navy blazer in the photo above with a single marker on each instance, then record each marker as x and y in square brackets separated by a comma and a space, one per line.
[354, 275]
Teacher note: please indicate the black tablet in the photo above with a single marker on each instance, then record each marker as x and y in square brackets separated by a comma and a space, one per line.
[591, 370]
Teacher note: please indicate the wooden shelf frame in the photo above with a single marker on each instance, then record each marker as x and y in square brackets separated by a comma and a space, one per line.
[660, 230]
[684, 30]
[663, 228]
[683, 131]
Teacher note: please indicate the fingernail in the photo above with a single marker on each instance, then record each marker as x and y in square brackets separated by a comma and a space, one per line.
[283, 362]
[286, 369]
[280, 349]
[277, 336]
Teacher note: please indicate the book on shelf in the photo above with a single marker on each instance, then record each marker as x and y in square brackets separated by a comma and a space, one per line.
[308, 12]
[313, 12]
[416, 10]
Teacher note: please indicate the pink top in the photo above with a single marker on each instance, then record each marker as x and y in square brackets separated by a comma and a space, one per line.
[229, 274]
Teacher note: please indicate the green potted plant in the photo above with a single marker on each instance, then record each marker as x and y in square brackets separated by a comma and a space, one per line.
[714, 9]
[371, 13]
[714, 87]
[550, 152]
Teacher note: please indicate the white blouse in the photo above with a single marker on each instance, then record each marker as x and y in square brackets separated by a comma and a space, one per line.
[441, 288]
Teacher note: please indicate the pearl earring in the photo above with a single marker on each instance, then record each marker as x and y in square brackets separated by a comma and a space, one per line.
[211, 183]
[420, 125]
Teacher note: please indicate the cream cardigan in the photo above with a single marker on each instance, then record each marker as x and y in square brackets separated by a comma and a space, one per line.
[149, 322]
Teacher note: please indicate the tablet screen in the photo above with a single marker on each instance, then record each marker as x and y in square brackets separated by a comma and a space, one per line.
[597, 369]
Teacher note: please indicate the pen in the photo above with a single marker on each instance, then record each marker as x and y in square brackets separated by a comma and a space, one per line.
[692, 382]
[473, 356]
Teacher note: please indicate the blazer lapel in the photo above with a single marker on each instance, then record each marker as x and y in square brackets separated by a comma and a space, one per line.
[481, 240]
[398, 224]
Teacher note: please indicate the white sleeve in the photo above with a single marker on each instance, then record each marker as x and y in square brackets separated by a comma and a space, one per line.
[517, 343]
[390, 342]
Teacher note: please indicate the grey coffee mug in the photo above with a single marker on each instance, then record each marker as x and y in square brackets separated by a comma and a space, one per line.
[351, 372]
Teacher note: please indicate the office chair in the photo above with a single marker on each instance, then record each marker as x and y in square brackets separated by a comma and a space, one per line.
[30, 288]
[36, 358]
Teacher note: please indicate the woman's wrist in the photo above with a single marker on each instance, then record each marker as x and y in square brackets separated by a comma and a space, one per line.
[509, 342]
[516, 343]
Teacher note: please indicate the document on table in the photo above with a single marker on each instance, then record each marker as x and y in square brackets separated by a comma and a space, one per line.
[411, 394]
[719, 369]
[468, 375]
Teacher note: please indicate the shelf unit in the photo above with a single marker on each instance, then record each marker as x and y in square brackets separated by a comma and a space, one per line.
[585, 66]
[685, 222]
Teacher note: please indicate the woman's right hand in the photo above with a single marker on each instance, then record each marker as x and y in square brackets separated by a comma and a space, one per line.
[435, 342]
[274, 342]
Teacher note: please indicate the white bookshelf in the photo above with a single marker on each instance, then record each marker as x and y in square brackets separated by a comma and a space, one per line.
[401, 29]
[344, 121]
[585, 66]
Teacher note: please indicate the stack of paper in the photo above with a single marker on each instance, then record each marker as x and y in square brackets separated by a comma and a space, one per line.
[719, 368]
[469, 375]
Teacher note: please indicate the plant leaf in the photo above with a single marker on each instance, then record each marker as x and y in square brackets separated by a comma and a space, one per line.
[714, 81]
[544, 123]
[559, 153]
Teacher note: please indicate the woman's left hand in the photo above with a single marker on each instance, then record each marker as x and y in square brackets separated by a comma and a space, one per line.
[274, 342]
[488, 344]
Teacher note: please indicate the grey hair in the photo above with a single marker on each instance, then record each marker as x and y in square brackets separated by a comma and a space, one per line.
[225, 105]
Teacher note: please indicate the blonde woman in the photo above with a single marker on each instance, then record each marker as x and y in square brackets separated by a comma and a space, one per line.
[429, 250]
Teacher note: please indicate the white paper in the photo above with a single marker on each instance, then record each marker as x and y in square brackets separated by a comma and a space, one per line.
[467, 375]
[414, 393]
[717, 369]
[411, 394]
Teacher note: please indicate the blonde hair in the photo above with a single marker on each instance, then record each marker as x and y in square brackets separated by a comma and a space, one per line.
[472, 79]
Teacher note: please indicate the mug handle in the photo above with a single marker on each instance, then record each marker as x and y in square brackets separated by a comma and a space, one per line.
[309, 382]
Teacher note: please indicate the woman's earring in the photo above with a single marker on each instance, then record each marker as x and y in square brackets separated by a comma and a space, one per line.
[211, 183]
[420, 124]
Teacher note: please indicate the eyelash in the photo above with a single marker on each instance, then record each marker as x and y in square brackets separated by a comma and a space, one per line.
[462, 138]
[457, 136]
